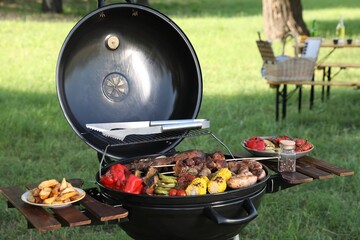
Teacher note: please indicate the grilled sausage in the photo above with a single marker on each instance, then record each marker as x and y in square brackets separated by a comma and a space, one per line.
[241, 181]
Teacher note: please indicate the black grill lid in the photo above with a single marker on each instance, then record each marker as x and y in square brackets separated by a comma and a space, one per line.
[127, 62]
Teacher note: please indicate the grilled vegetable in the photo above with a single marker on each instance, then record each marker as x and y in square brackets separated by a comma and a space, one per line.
[184, 180]
[224, 172]
[165, 184]
[120, 178]
[161, 191]
[167, 179]
[217, 184]
[197, 186]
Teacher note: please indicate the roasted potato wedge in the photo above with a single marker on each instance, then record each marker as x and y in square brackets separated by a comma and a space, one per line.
[52, 192]
[48, 183]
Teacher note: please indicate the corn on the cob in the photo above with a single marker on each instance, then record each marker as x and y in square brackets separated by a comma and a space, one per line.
[217, 184]
[197, 186]
[224, 172]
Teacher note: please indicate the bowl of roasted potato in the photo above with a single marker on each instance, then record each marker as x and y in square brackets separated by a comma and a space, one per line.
[53, 194]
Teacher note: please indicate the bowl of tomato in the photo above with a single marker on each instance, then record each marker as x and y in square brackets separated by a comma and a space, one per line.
[269, 146]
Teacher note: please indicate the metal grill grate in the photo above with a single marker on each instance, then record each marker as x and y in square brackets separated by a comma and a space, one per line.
[138, 139]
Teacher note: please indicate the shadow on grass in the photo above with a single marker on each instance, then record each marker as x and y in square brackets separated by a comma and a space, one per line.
[37, 118]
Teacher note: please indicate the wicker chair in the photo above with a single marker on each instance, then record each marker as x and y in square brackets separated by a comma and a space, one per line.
[293, 68]
[284, 70]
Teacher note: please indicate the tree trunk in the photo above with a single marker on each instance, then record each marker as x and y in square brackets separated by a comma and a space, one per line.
[143, 2]
[282, 17]
[52, 6]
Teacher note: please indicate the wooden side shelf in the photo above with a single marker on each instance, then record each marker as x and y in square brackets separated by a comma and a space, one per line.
[90, 211]
[86, 212]
[323, 165]
[309, 168]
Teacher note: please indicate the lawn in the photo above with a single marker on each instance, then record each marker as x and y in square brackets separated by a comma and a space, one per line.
[36, 142]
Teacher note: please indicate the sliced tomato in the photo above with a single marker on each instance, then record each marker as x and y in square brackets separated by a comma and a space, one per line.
[256, 143]
[307, 146]
[299, 142]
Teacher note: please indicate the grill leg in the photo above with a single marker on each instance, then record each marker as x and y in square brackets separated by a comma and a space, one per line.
[277, 102]
[329, 79]
[312, 93]
[323, 87]
[300, 97]
[284, 101]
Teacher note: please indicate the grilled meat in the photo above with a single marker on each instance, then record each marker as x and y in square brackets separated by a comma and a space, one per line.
[236, 182]
[150, 180]
[191, 156]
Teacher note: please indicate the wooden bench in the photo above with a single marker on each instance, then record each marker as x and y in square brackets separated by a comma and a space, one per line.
[327, 76]
[282, 94]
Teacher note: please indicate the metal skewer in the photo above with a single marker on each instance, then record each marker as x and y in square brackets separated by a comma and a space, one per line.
[160, 166]
[253, 158]
[229, 160]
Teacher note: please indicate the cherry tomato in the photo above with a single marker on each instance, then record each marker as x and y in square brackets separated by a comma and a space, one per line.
[181, 192]
[173, 192]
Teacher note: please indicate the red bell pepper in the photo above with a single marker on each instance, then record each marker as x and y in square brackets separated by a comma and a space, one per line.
[119, 174]
[120, 178]
[134, 185]
[107, 180]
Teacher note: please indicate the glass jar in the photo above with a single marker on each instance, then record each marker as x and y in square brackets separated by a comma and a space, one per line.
[287, 156]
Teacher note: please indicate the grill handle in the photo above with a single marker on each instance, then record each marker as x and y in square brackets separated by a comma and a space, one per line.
[248, 207]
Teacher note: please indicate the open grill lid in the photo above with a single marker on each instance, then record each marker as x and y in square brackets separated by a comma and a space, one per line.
[122, 63]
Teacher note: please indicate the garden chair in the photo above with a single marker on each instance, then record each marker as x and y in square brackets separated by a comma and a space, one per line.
[285, 70]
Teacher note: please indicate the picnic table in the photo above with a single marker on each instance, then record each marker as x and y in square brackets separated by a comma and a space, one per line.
[92, 211]
[327, 67]
[282, 93]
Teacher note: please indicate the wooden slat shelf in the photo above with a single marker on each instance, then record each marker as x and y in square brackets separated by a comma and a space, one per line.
[323, 165]
[44, 219]
[90, 211]
[38, 217]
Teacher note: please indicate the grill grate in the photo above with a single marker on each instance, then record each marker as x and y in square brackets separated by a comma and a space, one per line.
[138, 139]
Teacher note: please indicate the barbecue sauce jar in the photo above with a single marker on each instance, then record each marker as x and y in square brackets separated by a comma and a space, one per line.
[287, 156]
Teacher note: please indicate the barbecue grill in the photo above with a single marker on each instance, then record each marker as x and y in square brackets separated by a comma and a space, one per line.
[126, 63]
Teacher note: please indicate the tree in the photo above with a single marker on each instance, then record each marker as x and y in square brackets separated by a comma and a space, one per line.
[57, 7]
[143, 2]
[282, 17]
[52, 6]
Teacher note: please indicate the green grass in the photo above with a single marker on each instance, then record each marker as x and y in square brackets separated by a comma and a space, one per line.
[36, 142]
